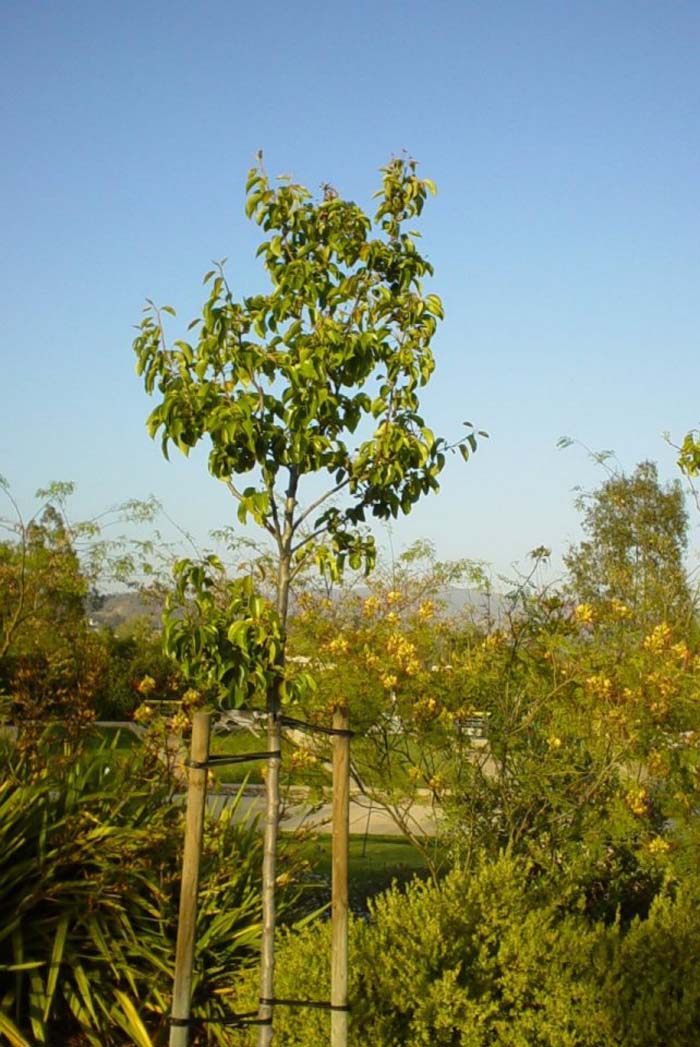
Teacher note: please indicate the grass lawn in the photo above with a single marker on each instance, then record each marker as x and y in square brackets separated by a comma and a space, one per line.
[111, 738]
[238, 742]
[375, 863]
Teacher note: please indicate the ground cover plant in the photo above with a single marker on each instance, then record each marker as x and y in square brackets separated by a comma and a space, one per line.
[89, 879]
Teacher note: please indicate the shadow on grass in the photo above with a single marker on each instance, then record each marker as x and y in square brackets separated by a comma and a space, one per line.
[375, 862]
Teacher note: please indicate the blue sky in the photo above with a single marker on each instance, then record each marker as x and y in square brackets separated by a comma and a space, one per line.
[563, 137]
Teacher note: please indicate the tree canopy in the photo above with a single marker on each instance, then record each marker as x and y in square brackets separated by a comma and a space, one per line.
[636, 535]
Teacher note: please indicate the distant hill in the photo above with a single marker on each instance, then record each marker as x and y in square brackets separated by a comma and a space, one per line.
[115, 609]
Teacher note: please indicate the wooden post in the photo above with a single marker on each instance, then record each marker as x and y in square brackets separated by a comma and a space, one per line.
[194, 827]
[269, 876]
[339, 888]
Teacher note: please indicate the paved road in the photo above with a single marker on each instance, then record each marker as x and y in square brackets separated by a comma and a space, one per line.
[365, 817]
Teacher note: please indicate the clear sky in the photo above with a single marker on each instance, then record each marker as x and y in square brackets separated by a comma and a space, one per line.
[564, 139]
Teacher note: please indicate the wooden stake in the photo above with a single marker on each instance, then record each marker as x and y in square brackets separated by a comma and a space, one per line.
[269, 876]
[339, 889]
[194, 827]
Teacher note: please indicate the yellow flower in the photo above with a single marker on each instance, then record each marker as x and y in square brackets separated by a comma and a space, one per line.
[656, 763]
[389, 680]
[657, 639]
[426, 610]
[302, 758]
[599, 685]
[146, 685]
[371, 660]
[179, 722]
[619, 609]
[662, 683]
[658, 845]
[371, 606]
[392, 618]
[339, 645]
[637, 800]
[393, 597]
[554, 742]
[584, 613]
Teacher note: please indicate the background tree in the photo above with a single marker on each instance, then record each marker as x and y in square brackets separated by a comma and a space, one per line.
[41, 579]
[315, 380]
[636, 536]
[52, 660]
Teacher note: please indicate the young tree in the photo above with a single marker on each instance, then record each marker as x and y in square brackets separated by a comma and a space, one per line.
[314, 380]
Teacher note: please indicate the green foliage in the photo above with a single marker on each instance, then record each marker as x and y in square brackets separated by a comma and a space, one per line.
[652, 989]
[589, 726]
[478, 960]
[42, 584]
[689, 454]
[497, 957]
[280, 382]
[52, 663]
[130, 655]
[636, 536]
[90, 855]
[312, 384]
[224, 638]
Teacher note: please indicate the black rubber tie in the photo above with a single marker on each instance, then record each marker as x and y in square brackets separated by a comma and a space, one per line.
[319, 1004]
[340, 732]
[221, 761]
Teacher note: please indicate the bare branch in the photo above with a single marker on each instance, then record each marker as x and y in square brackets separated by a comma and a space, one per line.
[319, 501]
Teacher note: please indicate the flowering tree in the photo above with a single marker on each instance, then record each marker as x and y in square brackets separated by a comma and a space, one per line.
[392, 652]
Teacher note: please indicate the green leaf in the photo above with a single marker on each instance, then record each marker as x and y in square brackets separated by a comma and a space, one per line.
[12, 1033]
[127, 1018]
[59, 945]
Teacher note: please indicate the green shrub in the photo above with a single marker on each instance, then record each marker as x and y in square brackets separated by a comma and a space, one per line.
[477, 960]
[495, 959]
[480, 960]
[652, 990]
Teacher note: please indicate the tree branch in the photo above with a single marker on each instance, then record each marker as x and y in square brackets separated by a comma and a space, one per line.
[319, 501]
